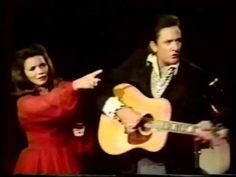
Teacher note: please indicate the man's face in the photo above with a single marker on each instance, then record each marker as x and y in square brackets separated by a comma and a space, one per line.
[168, 45]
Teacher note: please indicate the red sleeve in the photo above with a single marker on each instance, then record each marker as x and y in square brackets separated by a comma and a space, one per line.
[57, 103]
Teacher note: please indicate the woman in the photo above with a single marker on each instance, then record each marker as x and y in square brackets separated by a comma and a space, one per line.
[46, 108]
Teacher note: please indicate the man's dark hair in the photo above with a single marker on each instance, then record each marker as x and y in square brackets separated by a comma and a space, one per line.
[163, 21]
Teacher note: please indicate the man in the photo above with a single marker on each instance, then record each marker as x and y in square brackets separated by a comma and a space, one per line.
[160, 72]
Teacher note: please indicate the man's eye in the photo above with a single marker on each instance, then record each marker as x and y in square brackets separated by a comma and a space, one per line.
[179, 40]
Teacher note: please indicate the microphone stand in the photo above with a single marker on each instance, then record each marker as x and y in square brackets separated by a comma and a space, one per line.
[196, 156]
[197, 153]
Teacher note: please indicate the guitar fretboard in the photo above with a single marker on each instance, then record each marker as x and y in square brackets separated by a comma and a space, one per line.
[172, 126]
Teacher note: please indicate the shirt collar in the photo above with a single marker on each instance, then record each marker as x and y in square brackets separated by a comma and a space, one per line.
[153, 60]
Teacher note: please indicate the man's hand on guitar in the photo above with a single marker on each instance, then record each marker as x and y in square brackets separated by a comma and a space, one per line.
[129, 118]
[207, 133]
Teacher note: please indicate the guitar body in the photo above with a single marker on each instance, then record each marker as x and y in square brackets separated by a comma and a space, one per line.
[111, 133]
[215, 160]
[114, 140]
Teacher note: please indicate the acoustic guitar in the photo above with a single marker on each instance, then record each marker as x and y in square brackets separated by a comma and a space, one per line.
[152, 131]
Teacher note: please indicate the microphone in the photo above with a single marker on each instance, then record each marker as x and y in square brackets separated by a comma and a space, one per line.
[213, 82]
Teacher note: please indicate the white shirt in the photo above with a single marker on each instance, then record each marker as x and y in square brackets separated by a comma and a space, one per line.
[160, 77]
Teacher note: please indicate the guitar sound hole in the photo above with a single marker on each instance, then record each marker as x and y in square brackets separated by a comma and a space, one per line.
[137, 137]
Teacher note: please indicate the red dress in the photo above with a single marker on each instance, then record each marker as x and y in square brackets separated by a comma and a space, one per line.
[47, 121]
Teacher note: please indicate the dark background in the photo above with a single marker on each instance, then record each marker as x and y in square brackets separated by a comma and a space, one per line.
[82, 36]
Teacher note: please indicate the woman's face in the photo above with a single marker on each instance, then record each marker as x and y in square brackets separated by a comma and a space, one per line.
[36, 70]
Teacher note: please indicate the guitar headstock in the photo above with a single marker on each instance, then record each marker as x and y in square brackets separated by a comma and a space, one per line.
[221, 131]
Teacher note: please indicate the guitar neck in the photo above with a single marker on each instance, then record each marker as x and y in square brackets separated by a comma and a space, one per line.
[172, 126]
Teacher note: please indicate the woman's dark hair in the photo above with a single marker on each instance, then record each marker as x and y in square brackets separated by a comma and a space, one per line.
[163, 21]
[21, 82]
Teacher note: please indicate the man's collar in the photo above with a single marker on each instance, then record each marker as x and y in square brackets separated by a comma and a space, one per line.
[153, 60]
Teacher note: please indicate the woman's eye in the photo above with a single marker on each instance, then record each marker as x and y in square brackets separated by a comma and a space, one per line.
[32, 68]
[42, 65]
